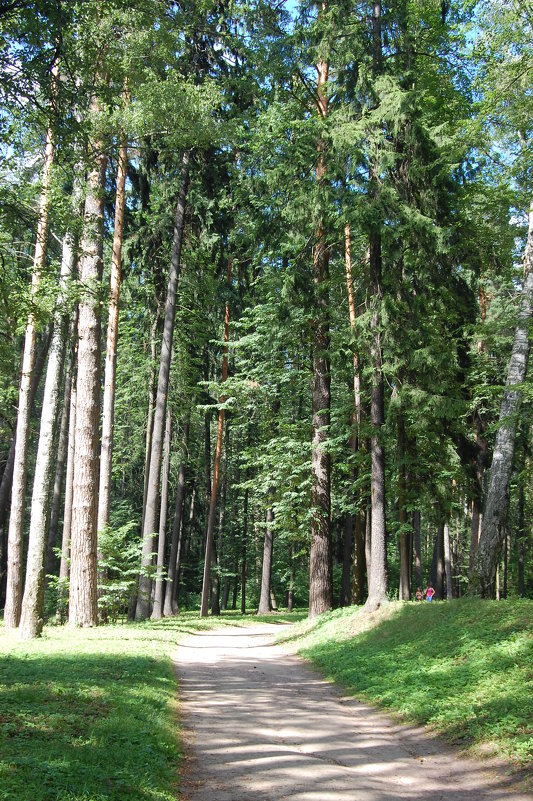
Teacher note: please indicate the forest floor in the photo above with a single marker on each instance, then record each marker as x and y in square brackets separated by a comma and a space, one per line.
[259, 723]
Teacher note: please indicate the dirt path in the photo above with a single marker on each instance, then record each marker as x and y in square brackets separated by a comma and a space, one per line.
[260, 725]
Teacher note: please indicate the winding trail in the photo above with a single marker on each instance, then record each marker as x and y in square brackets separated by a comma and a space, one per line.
[261, 725]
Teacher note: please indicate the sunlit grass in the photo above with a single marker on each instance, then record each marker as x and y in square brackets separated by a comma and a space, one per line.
[90, 714]
[465, 667]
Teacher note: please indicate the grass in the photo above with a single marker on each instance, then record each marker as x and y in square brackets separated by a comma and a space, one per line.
[90, 715]
[465, 668]
[87, 715]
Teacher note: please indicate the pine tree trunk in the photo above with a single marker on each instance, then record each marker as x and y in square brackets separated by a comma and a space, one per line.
[215, 600]
[404, 538]
[266, 574]
[62, 449]
[151, 407]
[521, 536]
[320, 561]
[497, 499]
[216, 469]
[108, 412]
[436, 576]
[69, 486]
[347, 547]
[352, 540]
[417, 548]
[83, 587]
[18, 494]
[7, 475]
[170, 607]
[32, 614]
[156, 452]
[157, 612]
[243, 552]
[448, 562]
[377, 580]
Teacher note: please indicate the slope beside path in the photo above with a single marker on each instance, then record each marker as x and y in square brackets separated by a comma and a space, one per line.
[261, 725]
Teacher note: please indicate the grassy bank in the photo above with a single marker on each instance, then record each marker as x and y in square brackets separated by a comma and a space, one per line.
[87, 715]
[463, 667]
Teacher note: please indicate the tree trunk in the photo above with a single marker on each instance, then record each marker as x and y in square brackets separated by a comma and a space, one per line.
[448, 562]
[377, 580]
[404, 538]
[7, 476]
[266, 574]
[16, 521]
[497, 499]
[417, 549]
[243, 552]
[347, 547]
[83, 588]
[156, 454]
[32, 614]
[216, 468]
[290, 593]
[320, 561]
[157, 612]
[151, 406]
[69, 482]
[436, 576]
[219, 555]
[108, 412]
[61, 455]
[170, 606]
[521, 537]
[359, 561]
[354, 593]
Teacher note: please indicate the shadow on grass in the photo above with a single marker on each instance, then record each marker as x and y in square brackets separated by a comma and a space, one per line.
[86, 726]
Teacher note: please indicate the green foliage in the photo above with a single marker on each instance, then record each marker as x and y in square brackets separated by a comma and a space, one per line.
[120, 556]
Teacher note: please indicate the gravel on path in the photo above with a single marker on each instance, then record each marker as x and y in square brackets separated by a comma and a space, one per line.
[259, 724]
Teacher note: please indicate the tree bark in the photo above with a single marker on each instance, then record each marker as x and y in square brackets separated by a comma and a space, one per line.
[497, 499]
[216, 468]
[266, 574]
[417, 548]
[156, 452]
[18, 495]
[448, 562]
[320, 561]
[69, 486]
[243, 552]
[436, 577]
[151, 406]
[32, 613]
[83, 589]
[404, 538]
[62, 448]
[108, 412]
[7, 475]
[157, 612]
[170, 606]
[377, 580]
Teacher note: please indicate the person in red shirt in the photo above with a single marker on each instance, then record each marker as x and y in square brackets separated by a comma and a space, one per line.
[430, 592]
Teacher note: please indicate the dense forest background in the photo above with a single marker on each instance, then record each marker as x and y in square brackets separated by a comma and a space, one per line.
[266, 286]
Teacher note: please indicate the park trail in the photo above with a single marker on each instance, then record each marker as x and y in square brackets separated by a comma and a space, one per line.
[259, 724]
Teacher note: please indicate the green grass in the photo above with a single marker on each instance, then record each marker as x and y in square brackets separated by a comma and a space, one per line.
[87, 715]
[465, 667]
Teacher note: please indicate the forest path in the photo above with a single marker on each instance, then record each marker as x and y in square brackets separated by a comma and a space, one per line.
[259, 724]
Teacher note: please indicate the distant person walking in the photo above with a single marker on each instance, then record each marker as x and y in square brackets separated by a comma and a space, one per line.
[419, 595]
[430, 592]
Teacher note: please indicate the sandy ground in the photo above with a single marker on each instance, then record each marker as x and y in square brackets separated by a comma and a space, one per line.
[261, 725]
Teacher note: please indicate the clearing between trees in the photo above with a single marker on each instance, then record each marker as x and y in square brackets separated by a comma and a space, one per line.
[92, 714]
